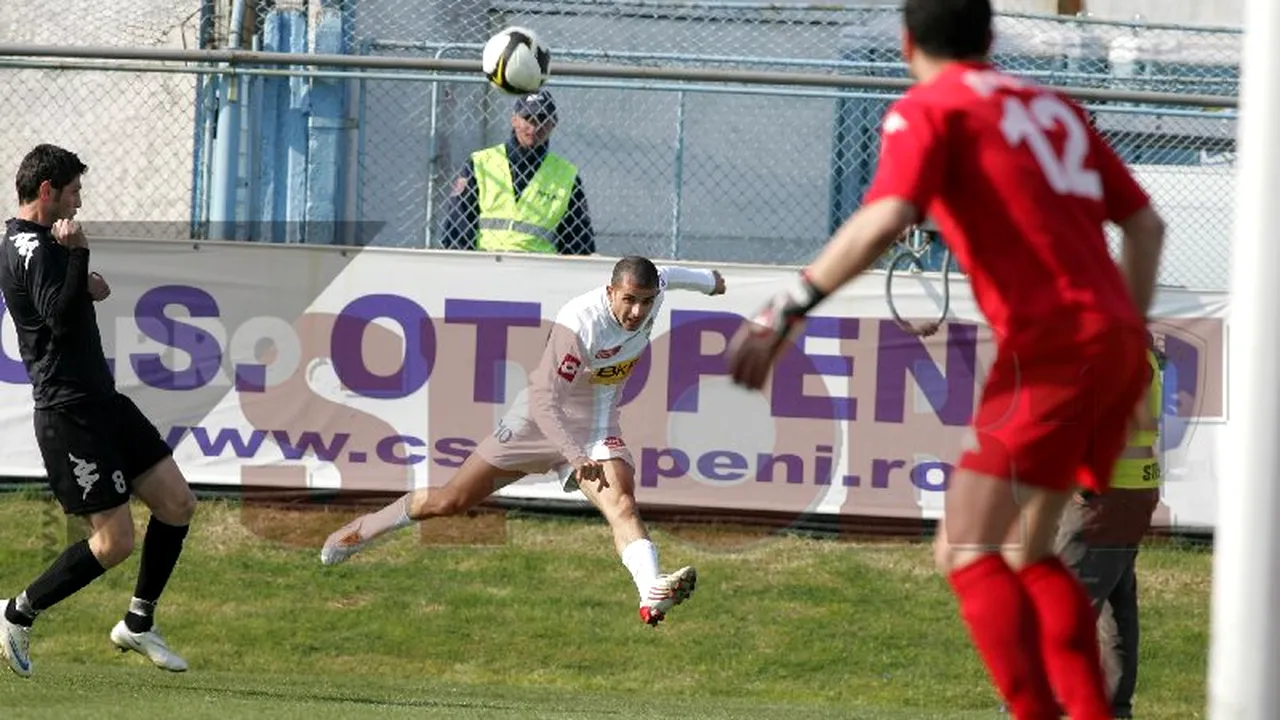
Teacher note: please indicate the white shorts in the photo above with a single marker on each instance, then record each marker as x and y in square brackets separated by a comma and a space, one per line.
[519, 445]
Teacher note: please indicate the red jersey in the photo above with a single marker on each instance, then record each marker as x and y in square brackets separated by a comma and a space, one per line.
[1020, 185]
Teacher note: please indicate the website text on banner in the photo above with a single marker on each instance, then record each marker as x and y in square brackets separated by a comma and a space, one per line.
[298, 368]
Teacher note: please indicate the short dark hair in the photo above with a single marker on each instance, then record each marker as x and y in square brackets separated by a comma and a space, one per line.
[47, 162]
[949, 29]
[639, 270]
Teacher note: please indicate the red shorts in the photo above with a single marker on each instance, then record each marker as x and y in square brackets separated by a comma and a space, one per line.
[1056, 408]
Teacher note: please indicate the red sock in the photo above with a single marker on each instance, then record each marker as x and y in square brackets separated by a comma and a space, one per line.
[1068, 638]
[1002, 623]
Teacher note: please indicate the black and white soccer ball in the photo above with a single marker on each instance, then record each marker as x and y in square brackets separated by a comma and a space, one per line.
[515, 61]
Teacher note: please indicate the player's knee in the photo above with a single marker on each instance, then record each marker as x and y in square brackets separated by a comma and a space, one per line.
[182, 510]
[112, 544]
[440, 503]
[1021, 557]
[620, 506]
[177, 508]
[943, 558]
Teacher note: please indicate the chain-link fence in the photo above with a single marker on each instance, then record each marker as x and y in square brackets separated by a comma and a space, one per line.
[135, 130]
[670, 169]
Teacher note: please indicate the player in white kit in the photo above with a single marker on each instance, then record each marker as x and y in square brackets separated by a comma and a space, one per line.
[567, 421]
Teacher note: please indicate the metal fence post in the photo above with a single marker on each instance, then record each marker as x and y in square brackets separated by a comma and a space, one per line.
[678, 177]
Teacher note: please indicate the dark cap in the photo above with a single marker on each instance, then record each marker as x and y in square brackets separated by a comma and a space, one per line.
[536, 106]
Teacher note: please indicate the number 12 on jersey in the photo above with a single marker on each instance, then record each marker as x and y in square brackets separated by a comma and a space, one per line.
[1028, 122]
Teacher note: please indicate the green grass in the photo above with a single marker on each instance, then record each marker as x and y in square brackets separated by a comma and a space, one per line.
[535, 617]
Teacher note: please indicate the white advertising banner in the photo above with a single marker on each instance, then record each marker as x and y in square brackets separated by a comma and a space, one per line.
[316, 369]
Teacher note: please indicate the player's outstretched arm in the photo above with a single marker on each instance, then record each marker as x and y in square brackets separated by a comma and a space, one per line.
[708, 282]
[1129, 207]
[863, 238]
[855, 246]
[1140, 255]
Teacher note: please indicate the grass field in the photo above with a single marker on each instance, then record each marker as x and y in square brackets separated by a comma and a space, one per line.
[541, 622]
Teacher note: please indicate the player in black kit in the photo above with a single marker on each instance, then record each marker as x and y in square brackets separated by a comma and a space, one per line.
[98, 447]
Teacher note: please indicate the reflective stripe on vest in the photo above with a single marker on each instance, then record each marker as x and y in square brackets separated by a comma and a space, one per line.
[526, 224]
[1139, 466]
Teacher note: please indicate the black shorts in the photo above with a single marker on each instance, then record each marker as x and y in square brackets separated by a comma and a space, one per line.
[94, 451]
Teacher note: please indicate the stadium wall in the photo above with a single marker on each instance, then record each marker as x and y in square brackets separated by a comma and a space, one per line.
[319, 370]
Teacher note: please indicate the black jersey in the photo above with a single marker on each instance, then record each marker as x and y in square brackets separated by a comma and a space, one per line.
[46, 292]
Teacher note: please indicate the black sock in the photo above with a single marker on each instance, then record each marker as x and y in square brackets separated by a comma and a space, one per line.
[160, 550]
[19, 611]
[75, 568]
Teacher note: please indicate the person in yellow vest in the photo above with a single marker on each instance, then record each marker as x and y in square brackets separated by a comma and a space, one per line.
[1100, 535]
[519, 196]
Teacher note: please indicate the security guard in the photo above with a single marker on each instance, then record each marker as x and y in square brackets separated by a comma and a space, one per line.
[519, 196]
[1100, 536]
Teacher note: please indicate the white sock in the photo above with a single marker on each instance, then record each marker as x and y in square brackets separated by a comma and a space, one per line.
[392, 517]
[641, 558]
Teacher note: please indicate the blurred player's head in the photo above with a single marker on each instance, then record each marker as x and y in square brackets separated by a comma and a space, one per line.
[48, 183]
[632, 289]
[533, 119]
[944, 30]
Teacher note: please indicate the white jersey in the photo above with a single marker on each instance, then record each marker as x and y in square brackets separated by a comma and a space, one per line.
[573, 394]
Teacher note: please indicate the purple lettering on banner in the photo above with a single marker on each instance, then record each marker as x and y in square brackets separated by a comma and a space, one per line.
[206, 354]
[652, 466]
[880, 470]
[688, 367]
[766, 462]
[788, 397]
[347, 346]
[722, 465]
[453, 451]
[388, 447]
[920, 476]
[492, 320]
[12, 370]
[251, 377]
[823, 465]
[1185, 359]
[951, 395]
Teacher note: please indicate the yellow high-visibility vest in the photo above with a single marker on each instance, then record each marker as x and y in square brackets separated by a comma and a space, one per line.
[1141, 470]
[527, 223]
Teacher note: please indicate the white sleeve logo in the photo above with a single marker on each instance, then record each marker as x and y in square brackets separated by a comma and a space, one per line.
[25, 244]
[894, 122]
[86, 473]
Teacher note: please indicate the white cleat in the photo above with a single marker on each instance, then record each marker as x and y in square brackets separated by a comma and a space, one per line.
[148, 644]
[343, 544]
[665, 593]
[15, 644]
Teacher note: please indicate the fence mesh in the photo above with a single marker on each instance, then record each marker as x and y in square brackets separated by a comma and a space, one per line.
[673, 170]
[134, 130]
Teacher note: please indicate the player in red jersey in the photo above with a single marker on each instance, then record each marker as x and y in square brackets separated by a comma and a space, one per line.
[1020, 185]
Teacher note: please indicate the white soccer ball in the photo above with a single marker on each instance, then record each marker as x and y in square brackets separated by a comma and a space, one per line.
[515, 61]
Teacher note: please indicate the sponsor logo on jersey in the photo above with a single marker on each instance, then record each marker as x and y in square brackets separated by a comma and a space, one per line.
[608, 352]
[569, 366]
[25, 244]
[614, 374]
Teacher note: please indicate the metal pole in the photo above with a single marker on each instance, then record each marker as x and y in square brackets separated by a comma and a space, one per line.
[1245, 633]
[591, 70]
[433, 160]
[226, 162]
[678, 181]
